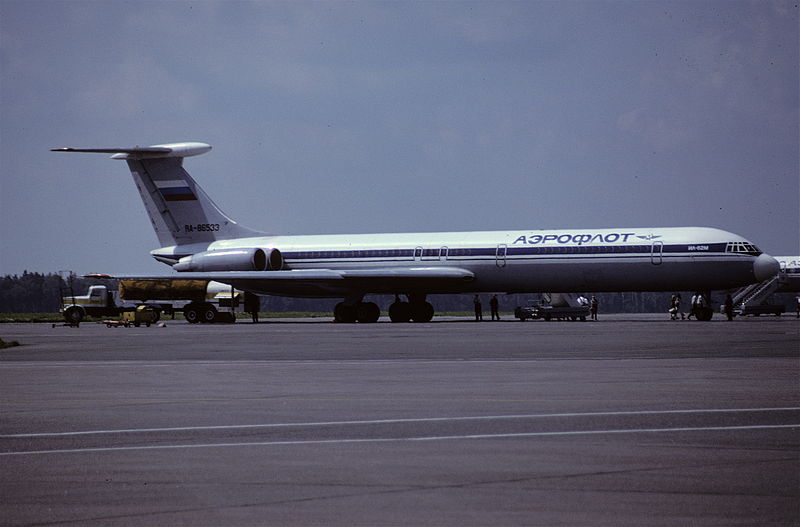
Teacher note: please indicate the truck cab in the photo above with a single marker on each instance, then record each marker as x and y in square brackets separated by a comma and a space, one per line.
[99, 301]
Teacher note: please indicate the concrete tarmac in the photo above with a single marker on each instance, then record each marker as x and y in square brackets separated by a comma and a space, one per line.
[632, 420]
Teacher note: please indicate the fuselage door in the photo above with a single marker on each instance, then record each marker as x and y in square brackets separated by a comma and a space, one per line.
[443, 253]
[500, 255]
[417, 254]
[656, 252]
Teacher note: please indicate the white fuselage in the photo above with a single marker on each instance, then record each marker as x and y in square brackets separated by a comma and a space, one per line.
[625, 259]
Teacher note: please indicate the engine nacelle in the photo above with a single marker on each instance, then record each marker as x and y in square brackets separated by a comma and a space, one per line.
[251, 259]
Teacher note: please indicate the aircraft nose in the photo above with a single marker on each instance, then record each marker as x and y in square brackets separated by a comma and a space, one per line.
[765, 267]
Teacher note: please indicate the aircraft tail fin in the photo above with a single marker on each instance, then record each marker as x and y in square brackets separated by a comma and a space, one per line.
[179, 209]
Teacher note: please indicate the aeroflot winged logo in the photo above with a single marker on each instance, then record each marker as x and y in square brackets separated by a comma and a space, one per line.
[175, 190]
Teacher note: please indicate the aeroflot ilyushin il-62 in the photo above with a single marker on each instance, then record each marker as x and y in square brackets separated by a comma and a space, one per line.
[199, 241]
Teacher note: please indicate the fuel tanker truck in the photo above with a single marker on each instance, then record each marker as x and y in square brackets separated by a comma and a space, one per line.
[199, 300]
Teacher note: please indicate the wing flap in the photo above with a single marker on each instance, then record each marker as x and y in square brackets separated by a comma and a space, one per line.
[423, 273]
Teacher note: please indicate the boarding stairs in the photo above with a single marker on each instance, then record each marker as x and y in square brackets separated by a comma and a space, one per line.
[756, 294]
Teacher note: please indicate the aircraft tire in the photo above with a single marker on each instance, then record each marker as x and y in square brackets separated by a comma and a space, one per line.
[422, 312]
[208, 314]
[704, 314]
[344, 313]
[74, 315]
[400, 312]
[192, 314]
[368, 312]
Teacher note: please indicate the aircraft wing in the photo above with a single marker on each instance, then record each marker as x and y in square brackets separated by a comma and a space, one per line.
[323, 281]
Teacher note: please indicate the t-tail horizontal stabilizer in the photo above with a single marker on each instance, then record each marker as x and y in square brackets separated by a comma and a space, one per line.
[180, 150]
[179, 209]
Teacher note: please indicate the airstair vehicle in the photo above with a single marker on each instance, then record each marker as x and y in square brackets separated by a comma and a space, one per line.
[752, 299]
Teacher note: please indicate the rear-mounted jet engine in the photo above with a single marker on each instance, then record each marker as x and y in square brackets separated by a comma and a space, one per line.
[250, 259]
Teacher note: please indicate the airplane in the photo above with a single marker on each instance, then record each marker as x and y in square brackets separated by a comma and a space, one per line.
[790, 274]
[199, 241]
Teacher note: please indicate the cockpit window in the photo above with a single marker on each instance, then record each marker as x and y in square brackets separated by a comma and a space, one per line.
[742, 248]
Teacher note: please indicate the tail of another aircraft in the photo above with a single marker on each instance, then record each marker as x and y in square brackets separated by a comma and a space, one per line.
[179, 209]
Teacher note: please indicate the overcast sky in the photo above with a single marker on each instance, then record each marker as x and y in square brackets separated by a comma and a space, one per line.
[353, 117]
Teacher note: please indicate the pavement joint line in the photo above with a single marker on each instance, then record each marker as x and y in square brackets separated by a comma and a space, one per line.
[398, 421]
[405, 439]
[629, 355]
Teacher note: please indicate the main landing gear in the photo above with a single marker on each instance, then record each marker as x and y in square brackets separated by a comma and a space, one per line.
[358, 312]
[416, 309]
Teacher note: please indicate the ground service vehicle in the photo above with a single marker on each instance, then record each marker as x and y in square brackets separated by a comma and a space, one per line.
[548, 312]
[753, 299]
[200, 300]
[98, 302]
[555, 306]
[759, 309]
[141, 315]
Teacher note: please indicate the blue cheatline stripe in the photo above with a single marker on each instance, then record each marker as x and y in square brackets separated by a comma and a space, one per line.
[455, 253]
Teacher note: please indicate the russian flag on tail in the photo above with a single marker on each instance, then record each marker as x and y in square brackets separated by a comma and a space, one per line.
[175, 190]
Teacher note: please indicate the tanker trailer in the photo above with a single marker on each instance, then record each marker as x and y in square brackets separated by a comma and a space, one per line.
[200, 300]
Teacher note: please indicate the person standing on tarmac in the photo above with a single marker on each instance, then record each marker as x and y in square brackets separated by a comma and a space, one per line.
[252, 304]
[494, 304]
[478, 309]
[729, 307]
[673, 309]
[593, 307]
[693, 310]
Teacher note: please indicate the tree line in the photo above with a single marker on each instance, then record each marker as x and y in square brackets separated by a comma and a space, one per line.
[41, 293]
